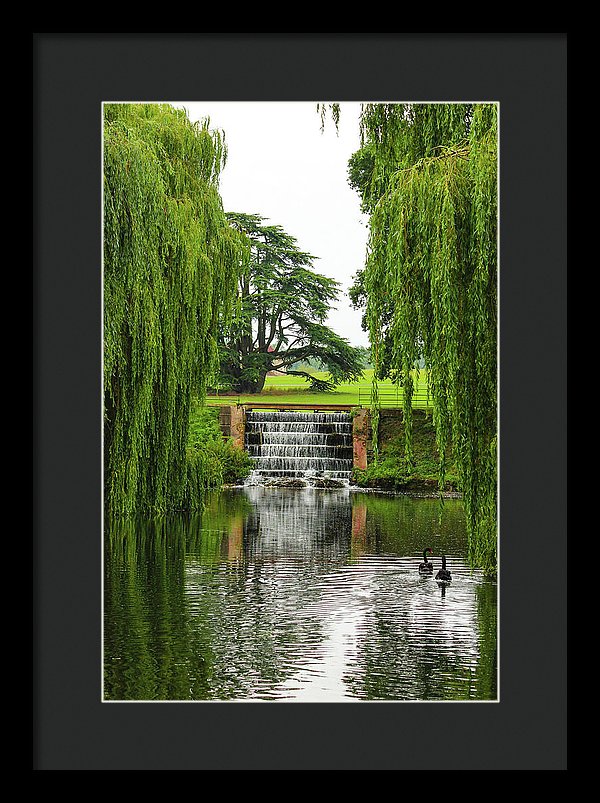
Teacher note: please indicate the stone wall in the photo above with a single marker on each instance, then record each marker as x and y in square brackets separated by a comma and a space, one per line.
[232, 420]
[362, 439]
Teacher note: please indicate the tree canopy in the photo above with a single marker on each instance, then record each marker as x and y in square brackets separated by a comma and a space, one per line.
[280, 312]
[427, 175]
[170, 261]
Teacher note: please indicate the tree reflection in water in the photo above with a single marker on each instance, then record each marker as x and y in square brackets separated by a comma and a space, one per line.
[296, 595]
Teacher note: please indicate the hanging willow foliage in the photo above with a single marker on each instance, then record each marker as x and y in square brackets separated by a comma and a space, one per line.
[169, 269]
[431, 271]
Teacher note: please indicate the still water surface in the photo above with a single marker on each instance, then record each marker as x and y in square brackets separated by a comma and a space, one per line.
[296, 595]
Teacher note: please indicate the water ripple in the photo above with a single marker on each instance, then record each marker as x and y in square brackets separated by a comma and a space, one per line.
[302, 596]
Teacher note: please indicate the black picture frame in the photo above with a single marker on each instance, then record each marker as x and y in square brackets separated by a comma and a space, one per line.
[72, 75]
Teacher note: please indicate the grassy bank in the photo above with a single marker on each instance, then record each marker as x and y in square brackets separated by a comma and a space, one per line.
[286, 389]
[392, 473]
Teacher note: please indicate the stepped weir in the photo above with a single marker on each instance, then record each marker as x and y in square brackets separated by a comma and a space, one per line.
[300, 446]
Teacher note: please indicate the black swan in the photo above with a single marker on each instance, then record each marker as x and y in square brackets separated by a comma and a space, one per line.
[443, 575]
[426, 567]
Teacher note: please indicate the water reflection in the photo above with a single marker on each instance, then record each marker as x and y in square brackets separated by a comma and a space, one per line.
[289, 594]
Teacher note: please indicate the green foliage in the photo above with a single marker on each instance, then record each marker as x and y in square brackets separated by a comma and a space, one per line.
[204, 425]
[236, 463]
[317, 384]
[361, 166]
[204, 471]
[170, 266]
[383, 474]
[384, 367]
[212, 459]
[333, 108]
[392, 470]
[430, 281]
[280, 312]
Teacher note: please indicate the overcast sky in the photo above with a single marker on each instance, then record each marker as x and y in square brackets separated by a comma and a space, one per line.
[282, 167]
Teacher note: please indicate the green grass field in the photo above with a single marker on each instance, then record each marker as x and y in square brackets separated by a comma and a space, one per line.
[293, 390]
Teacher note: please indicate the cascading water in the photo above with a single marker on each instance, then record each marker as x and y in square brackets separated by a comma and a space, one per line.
[299, 445]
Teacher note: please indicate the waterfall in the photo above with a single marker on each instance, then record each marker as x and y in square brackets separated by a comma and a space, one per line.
[299, 445]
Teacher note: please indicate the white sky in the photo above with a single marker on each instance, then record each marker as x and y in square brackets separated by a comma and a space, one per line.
[282, 167]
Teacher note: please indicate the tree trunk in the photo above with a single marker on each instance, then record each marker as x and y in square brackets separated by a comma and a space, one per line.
[248, 386]
[261, 382]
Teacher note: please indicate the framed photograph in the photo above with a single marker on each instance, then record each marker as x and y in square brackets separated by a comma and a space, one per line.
[295, 334]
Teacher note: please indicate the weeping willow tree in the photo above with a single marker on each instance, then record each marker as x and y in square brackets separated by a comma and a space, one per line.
[427, 174]
[169, 268]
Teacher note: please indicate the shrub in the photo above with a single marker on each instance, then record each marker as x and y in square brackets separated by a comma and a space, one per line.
[384, 474]
[235, 463]
[212, 460]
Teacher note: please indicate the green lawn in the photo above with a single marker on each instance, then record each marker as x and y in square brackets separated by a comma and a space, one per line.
[293, 390]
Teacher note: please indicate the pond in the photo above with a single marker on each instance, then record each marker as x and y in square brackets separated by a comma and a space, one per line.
[298, 595]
